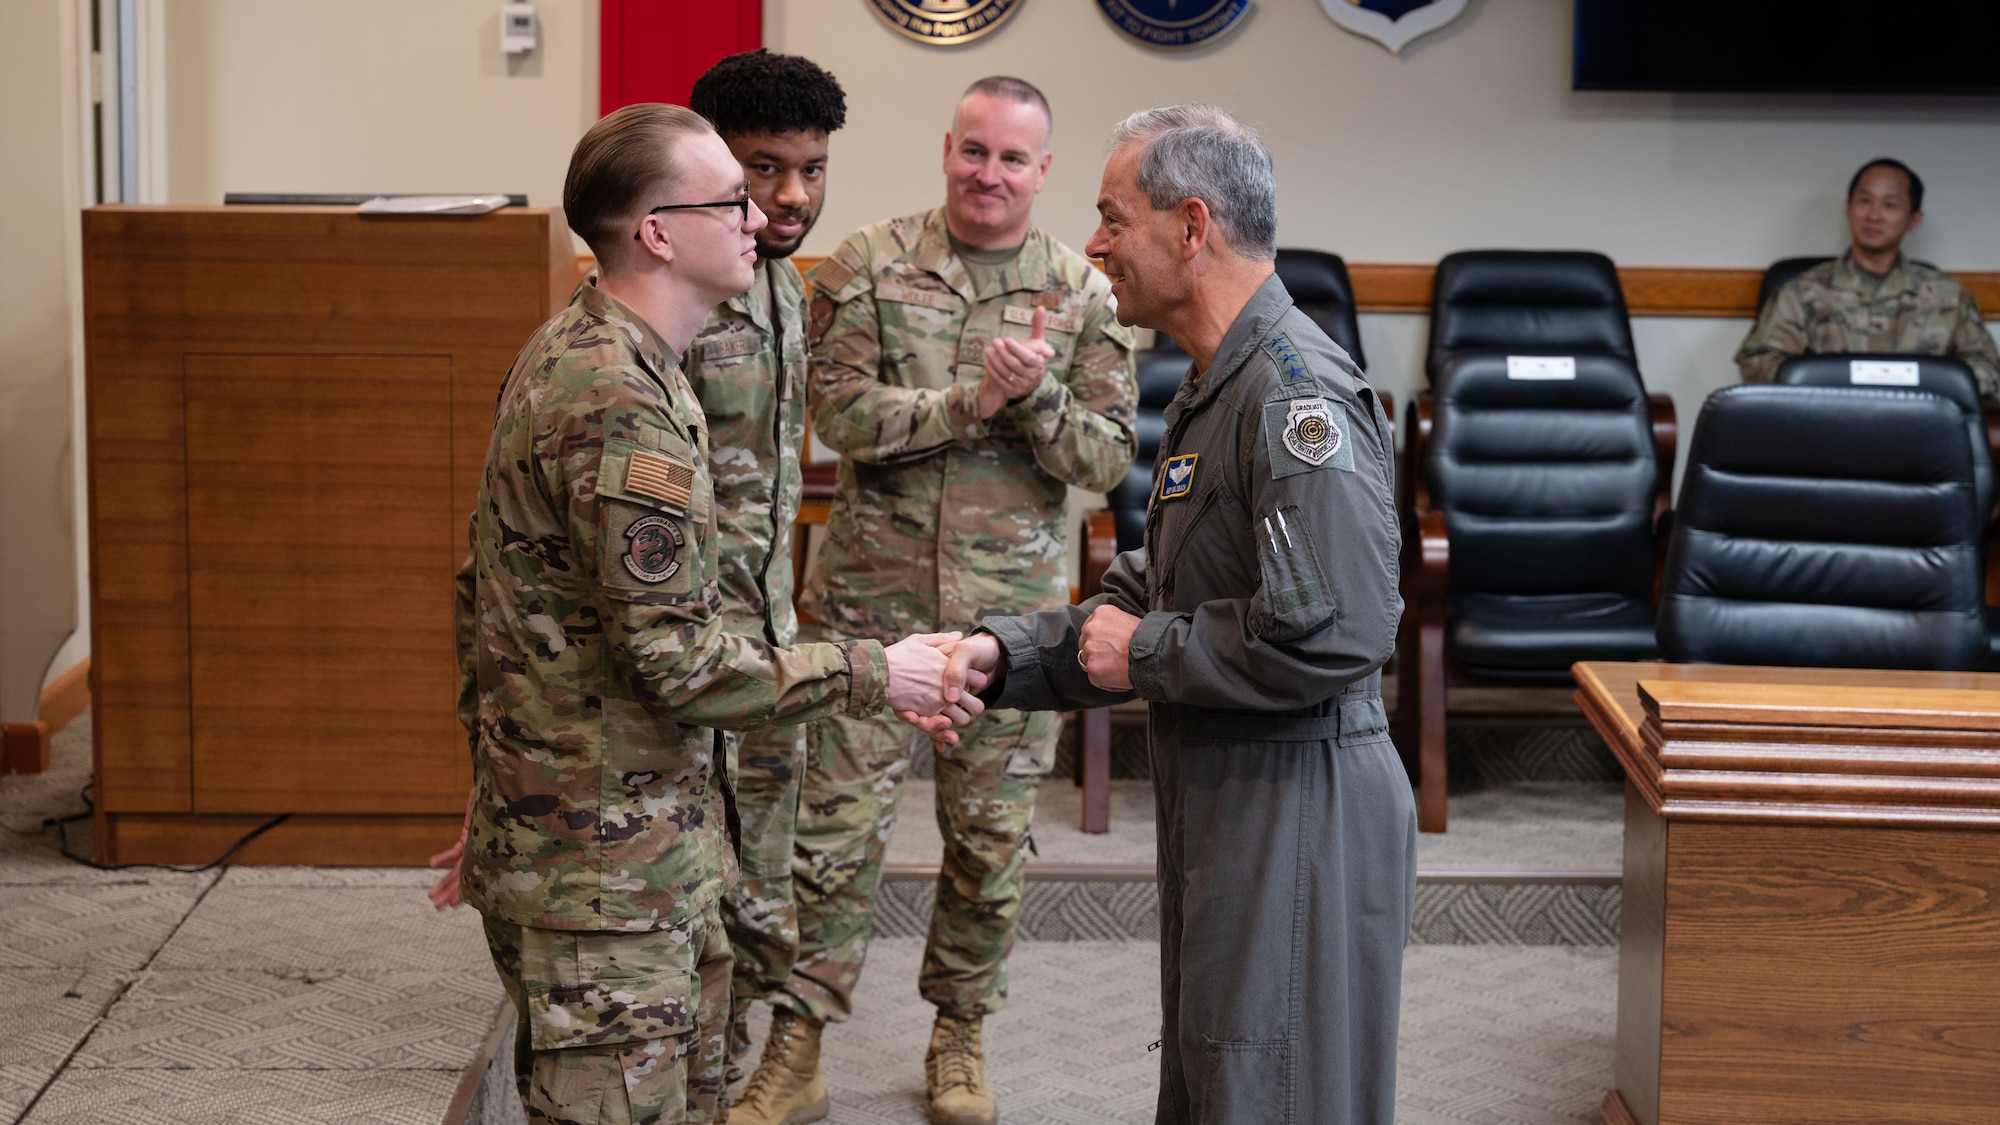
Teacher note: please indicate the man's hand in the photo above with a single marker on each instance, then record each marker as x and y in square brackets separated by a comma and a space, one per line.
[971, 661]
[1103, 647]
[921, 680]
[1014, 368]
[444, 893]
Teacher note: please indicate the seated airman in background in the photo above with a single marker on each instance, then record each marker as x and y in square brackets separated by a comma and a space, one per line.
[1872, 298]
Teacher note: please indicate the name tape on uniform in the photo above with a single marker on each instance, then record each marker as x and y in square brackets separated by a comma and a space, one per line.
[1541, 367]
[1056, 322]
[662, 478]
[1883, 373]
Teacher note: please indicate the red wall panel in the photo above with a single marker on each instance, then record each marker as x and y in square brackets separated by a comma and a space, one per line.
[653, 50]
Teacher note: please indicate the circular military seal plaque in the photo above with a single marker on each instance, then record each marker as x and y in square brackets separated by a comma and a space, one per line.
[1164, 23]
[945, 23]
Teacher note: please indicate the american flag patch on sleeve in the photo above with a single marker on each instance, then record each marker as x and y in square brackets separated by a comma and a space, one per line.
[662, 478]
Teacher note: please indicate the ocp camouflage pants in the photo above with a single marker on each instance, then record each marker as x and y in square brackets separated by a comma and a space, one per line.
[847, 810]
[617, 1028]
[758, 912]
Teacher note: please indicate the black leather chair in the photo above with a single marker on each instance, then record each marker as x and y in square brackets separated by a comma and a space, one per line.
[1530, 532]
[1544, 302]
[1826, 527]
[1319, 286]
[1944, 376]
[1781, 272]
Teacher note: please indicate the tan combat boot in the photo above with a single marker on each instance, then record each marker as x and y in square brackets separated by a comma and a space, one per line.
[786, 1088]
[955, 1075]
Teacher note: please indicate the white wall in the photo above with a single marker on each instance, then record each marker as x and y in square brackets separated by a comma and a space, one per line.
[1472, 138]
[373, 95]
[38, 197]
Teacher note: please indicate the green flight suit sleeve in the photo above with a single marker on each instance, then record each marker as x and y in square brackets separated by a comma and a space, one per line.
[1325, 606]
[1082, 429]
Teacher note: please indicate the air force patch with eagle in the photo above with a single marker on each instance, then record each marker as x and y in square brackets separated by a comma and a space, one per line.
[1392, 23]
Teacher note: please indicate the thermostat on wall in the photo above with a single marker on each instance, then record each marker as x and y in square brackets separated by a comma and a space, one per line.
[519, 28]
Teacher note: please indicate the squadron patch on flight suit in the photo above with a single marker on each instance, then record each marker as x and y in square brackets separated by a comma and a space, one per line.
[1304, 434]
[1177, 476]
[653, 548]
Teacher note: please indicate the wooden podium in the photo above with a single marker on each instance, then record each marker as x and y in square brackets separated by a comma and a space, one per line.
[288, 412]
[1811, 916]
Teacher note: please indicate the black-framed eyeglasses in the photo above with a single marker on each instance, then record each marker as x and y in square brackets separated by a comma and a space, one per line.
[742, 205]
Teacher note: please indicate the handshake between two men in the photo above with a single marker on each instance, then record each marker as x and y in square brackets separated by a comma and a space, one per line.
[935, 678]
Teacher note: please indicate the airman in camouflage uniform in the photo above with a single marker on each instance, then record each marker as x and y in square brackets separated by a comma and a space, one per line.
[1872, 298]
[1837, 306]
[597, 850]
[941, 515]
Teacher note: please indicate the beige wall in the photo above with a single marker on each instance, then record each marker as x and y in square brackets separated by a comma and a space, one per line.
[373, 95]
[38, 195]
[1472, 138]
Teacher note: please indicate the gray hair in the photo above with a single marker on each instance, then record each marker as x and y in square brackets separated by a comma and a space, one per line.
[1200, 152]
[1011, 89]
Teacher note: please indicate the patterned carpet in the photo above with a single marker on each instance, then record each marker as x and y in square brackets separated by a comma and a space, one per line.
[1490, 1036]
[279, 995]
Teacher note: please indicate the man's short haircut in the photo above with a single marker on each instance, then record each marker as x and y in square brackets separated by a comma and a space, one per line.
[1916, 182]
[1200, 152]
[759, 92]
[623, 165]
[1015, 90]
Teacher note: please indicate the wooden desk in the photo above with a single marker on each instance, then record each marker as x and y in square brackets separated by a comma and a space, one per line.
[288, 411]
[1811, 918]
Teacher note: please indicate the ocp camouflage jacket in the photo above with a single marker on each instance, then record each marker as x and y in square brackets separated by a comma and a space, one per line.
[595, 634]
[941, 516]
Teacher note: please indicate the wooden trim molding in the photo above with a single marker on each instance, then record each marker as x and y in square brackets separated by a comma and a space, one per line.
[1649, 290]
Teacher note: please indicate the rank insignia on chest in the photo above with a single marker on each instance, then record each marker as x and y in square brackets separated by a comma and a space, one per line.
[1177, 476]
[653, 548]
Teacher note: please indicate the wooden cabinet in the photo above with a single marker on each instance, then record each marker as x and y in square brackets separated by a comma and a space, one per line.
[1811, 909]
[288, 412]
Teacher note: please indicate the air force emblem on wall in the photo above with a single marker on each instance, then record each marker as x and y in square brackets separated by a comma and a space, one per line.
[1177, 476]
[1392, 23]
[944, 22]
[1174, 23]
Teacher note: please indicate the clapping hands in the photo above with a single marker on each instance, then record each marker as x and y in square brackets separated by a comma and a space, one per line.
[1014, 368]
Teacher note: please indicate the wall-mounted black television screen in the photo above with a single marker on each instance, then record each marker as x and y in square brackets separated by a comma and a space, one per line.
[1813, 46]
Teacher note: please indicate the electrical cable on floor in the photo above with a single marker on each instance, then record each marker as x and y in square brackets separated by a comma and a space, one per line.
[62, 823]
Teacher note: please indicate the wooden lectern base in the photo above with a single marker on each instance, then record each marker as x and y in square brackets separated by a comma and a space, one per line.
[1615, 1111]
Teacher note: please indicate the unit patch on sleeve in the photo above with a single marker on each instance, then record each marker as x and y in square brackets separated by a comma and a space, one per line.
[1177, 476]
[653, 548]
[1304, 434]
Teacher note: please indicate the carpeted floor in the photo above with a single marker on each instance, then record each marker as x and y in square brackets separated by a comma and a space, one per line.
[1491, 1035]
[258, 995]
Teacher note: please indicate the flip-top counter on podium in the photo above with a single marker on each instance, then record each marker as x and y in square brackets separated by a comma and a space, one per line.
[288, 412]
